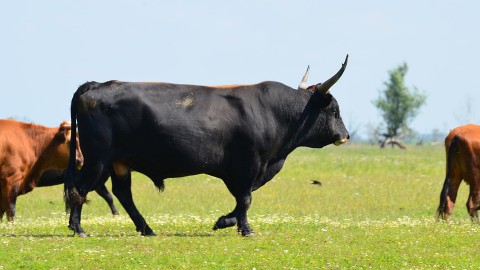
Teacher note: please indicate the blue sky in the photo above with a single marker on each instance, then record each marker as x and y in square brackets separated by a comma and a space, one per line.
[49, 48]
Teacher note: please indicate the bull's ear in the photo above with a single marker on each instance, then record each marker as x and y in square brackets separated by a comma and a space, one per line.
[64, 131]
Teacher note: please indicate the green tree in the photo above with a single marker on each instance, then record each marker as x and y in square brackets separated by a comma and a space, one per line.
[398, 106]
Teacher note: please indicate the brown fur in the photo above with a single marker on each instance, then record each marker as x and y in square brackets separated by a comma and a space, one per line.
[26, 151]
[462, 146]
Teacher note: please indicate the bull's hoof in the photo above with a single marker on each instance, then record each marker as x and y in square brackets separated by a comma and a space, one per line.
[79, 234]
[220, 224]
[77, 231]
[149, 234]
[224, 222]
[248, 233]
[146, 231]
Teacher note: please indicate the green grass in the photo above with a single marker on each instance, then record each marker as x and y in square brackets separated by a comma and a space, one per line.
[374, 209]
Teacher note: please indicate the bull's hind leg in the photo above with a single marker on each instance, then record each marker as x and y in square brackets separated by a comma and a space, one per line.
[75, 219]
[122, 189]
[103, 192]
[89, 173]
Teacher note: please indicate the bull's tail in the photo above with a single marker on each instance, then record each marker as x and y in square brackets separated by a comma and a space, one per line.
[70, 193]
[448, 177]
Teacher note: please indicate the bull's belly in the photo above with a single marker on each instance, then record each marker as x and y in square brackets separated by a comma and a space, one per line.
[165, 167]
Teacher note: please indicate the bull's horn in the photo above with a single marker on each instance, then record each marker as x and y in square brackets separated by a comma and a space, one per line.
[303, 83]
[324, 87]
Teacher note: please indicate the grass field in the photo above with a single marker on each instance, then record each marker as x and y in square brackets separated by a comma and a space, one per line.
[374, 209]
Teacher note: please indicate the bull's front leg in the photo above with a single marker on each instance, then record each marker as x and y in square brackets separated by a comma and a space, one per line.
[237, 217]
[243, 197]
[243, 204]
[240, 183]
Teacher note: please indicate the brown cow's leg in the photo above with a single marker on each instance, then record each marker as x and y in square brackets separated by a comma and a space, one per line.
[9, 198]
[3, 198]
[472, 208]
[11, 202]
[2, 210]
[473, 203]
[452, 196]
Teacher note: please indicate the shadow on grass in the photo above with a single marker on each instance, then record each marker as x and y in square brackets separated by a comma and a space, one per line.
[183, 234]
[35, 235]
[113, 235]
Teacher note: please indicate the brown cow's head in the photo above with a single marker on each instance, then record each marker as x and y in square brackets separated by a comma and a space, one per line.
[59, 152]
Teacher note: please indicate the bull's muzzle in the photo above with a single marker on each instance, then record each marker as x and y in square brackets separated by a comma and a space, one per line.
[341, 141]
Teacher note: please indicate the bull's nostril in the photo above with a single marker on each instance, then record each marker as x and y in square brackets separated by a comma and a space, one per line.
[348, 136]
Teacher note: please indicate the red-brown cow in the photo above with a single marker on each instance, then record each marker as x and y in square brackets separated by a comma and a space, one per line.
[462, 146]
[26, 151]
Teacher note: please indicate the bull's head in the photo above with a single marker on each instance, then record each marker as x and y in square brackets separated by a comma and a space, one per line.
[328, 127]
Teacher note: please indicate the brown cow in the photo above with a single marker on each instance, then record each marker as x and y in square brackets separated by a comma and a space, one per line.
[462, 146]
[26, 152]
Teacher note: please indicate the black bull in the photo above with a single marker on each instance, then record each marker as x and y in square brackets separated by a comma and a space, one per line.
[241, 134]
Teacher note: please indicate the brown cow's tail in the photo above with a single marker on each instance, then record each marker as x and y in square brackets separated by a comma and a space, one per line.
[448, 178]
[71, 195]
